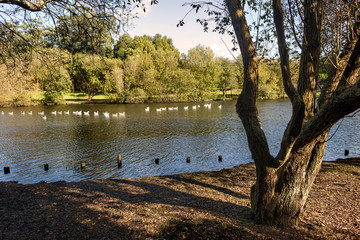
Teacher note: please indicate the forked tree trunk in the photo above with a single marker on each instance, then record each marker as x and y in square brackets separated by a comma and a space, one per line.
[279, 195]
[284, 182]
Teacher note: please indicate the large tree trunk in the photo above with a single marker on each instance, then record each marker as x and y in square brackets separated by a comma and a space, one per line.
[279, 195]
[284, 182]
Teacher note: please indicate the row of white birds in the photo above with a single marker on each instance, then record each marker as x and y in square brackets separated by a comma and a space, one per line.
[76, 113]
[106, 114]
[186, 108]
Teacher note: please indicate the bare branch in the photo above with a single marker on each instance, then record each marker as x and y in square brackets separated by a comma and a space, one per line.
[347, 69]
[292, 23]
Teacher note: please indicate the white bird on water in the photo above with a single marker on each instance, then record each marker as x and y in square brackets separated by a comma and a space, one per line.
[122, 114]
[106, 114]
[44, 117]
[96, 113]
[77, 113]
[67, 112]
[186, 108]
[59, 112]
[11, 113]
[41, 113]
[87, 113]
[22, 113]
[147, 109]
[30, 113]
[53, 113]
[2, 113]
[115, 115]
[207, 105]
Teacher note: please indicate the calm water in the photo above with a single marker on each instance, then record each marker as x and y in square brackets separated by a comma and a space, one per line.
[28, 142]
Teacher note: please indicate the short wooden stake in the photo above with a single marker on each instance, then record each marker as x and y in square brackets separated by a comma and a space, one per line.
[83, 166]
[6, 170]
[220, 158]
[188, 160]
[157, 161]
[346, 152]
[119, 161]
[46, 167]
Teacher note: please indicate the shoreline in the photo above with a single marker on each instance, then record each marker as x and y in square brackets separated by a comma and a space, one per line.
[80, 102]
[202, 205]
[351, 160]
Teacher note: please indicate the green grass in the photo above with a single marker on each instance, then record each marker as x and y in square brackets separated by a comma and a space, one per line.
[230, 94]
[84, 97]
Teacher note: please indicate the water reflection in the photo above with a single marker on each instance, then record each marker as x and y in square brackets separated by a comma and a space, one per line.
[65, 141]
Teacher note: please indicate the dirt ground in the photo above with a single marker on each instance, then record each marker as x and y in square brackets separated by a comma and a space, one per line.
[205, 205]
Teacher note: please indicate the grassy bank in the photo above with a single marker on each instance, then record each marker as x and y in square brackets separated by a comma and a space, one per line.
[205, 205]
[71, 97]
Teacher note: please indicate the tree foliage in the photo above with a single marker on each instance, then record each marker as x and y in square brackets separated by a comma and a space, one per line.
[92, 74]
[84, 33]
[49, 67]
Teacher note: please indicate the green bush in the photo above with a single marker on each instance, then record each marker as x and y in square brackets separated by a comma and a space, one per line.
[21, 99]
[136, 95]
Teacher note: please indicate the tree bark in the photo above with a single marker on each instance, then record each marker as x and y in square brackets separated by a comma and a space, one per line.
[279, 195]
[246, 105]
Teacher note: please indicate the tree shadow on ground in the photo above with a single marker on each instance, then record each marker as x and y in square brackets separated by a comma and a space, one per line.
[169, 207]
[160, 194]
[210, 186]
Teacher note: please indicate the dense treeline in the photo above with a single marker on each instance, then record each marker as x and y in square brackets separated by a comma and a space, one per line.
[143, 68]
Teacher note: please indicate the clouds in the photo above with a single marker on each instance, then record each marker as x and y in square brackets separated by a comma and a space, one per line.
[163, 18]
[221, 50]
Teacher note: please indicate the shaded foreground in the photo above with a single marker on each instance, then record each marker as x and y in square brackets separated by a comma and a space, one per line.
[205, 205]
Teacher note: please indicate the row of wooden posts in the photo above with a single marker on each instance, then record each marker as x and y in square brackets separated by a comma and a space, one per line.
[119, 162]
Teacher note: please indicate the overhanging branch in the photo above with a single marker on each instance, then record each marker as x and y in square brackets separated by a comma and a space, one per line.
[35, 5]
[343, 102]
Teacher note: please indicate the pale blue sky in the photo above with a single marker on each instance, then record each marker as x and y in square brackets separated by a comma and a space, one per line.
[162, 19]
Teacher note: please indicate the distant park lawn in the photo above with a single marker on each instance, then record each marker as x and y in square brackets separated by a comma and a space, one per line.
[78, 97]
[230, 94]
[84, 97]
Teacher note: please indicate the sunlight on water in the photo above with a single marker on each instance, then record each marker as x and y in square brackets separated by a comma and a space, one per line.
[64, 141]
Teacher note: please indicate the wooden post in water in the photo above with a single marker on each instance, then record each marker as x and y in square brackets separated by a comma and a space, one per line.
[46, 167]
[346, 152]
[188, 160]
[157, 161]
[119, 161]
[6, 170]
[220, 158]
[83, 166]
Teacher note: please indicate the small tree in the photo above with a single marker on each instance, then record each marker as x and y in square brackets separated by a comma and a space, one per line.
[229, 73]
[88, 74]
[200, 60]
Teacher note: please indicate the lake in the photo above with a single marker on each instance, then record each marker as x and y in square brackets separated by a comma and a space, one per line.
[168, 131]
